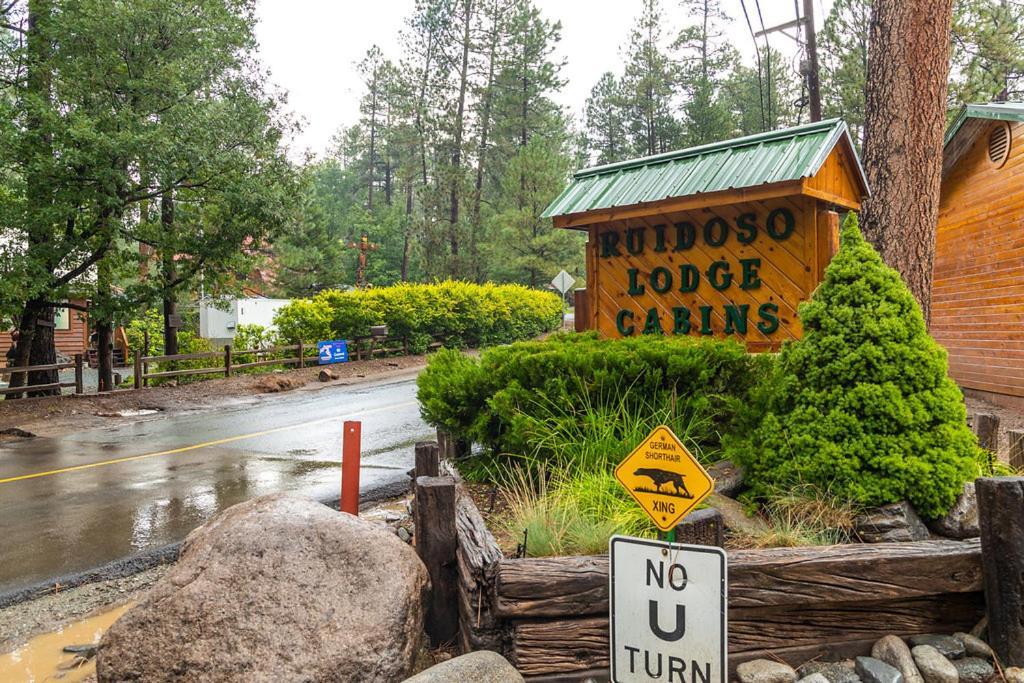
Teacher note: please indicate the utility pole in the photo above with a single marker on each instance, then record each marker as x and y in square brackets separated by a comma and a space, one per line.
[809, 68]
[813, 84]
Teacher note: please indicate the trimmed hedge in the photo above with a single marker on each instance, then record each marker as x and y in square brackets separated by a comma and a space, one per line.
[496, 399]
[862, 405]
[458, 313]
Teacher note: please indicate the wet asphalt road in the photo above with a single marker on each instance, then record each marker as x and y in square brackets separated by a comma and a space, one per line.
[73, 503]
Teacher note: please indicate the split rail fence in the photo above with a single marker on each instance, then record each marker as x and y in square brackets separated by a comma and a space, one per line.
[77, 363]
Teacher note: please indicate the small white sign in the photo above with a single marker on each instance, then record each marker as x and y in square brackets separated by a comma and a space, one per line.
[563, 281]
[668, 612]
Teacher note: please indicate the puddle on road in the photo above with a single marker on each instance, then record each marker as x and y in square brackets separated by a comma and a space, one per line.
[43, 659]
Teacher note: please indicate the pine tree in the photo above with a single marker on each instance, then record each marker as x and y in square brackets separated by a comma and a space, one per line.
[988, 51]
[649, 86]
[705, 60]
[606, 121]
[843, 53]
[759, 103]
[862, 405]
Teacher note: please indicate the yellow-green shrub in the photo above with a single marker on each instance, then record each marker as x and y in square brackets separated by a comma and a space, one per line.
[458, 313]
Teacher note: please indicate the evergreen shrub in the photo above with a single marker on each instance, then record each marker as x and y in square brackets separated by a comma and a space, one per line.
[457, 313]
[861, 406]
[543, 399]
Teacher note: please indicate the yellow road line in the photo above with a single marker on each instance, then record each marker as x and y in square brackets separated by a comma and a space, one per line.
[207, 444]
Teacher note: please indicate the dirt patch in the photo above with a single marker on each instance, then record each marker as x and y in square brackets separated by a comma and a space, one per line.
[20, 622]
[273, 384]
[1009, 419]
[58, 415]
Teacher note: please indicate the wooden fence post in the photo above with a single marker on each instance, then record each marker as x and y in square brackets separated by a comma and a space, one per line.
[1016, 439]
[427, 461]
[986, 426]
[227, 360]
[79, 375]
[436, 543]
[302, 360]
[1000, 511]
[138, 369]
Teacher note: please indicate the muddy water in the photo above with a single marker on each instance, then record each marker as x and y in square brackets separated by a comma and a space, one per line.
[43, 659]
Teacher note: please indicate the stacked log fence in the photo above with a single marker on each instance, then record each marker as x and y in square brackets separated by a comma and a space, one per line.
[549, 616]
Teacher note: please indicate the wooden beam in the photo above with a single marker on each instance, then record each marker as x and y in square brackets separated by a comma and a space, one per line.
[564, 586]
[1000, 511]
[436, 544]
[836, 199]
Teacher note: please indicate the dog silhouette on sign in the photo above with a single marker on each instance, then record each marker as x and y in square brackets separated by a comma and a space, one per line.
[662, 477]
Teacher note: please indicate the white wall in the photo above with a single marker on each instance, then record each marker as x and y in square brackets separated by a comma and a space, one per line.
[215, 323]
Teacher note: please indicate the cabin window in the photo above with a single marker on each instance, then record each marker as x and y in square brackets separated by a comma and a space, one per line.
[999, 143]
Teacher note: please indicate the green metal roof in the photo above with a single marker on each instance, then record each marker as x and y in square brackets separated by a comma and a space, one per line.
[776, 156]
[1003, 111]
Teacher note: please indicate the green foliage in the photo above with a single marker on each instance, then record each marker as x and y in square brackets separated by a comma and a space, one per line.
[252, 337]
[458, 313]
[862, 405]
[578, 398]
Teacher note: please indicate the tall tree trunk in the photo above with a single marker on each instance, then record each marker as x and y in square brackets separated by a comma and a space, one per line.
[105, 355]
[406, 237]
[373, 141]
[908, 70]
[36, 346]
[453, 228]
[169, 273]
[481, 155]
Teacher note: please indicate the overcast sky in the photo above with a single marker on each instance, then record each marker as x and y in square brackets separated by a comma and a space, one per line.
[311, 47]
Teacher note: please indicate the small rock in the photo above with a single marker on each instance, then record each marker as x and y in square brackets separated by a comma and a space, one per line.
[326, 375]
[814, 678]
[86, 651]
[728, 477]
[735, 516]
[874, 670]
[980, 629]
[893, 522]
[948, 646]
[933, 666]
[974, 646]
[1014, 674]
[973, 670]
[403, 534]
[893, 651]
[272, 384]
[962, 519]
[765, 671]
[835, 672]
[482, 666]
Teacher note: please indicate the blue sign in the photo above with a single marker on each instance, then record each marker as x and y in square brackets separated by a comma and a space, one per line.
[335, 351]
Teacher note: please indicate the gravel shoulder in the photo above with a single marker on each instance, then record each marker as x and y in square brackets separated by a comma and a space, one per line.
[60, 415]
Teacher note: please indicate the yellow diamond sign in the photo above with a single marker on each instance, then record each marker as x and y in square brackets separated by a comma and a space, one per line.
[664, 478]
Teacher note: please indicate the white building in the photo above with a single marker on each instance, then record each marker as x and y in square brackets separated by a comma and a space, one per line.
[218, 320]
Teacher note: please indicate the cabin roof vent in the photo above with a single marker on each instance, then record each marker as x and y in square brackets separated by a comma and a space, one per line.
[999, 143]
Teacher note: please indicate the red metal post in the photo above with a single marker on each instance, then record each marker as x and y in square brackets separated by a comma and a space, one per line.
[350, 467]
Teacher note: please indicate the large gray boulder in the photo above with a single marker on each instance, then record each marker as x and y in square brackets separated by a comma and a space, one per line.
[476, 667]
[962, 519]
[276, 589]
[893, 522]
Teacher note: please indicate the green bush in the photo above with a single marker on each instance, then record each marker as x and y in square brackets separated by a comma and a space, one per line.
[861, 406]
[458, 313]
[577, 397]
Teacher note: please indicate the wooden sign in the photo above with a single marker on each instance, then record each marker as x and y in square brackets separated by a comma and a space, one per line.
[746, 240]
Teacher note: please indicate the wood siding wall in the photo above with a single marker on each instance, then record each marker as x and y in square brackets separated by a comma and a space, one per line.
[789, 268]
[73, 340]
[978, 292]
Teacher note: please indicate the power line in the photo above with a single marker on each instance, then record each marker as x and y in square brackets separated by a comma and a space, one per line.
[757, 53]
[767, 58]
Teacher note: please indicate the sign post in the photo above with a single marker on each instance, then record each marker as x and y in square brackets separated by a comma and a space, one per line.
[563, 282]
[668, 612]
[668, 605]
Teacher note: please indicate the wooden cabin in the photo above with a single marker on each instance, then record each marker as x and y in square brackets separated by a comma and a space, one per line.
[70, 333]
[977, 289]
[721, 240]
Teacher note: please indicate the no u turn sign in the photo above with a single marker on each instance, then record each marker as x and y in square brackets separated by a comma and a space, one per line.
[668, 612]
